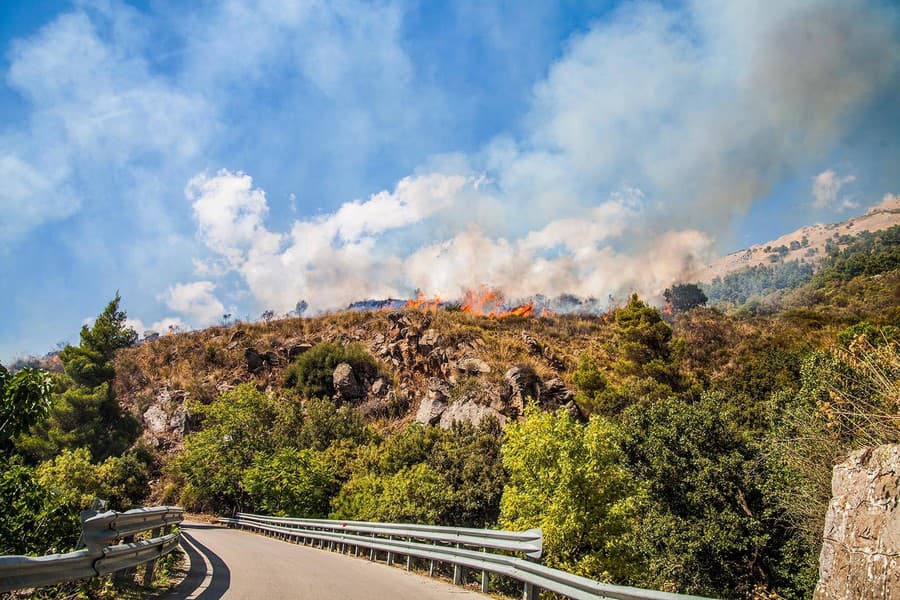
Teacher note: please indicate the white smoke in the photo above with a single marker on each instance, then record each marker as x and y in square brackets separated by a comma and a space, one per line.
[655, 129]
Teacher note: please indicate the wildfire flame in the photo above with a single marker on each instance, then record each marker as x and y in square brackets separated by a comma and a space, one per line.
[488, 302]
[423, 303]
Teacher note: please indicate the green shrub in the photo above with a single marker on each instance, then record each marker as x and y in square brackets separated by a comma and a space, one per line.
[290, 483]
[312, 373]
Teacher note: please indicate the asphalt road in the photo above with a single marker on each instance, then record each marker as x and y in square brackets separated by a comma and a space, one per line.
[227, 563]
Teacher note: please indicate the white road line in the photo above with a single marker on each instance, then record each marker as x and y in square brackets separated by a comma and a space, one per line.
[207, 580]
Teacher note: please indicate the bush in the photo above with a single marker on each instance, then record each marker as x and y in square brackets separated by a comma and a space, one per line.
[290, 483]
[34, 520]
[570, 480]
[312, 373]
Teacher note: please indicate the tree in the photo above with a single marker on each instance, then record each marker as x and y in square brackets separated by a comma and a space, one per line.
[291, 483]
[683, 297]
[570, 480]
[85, 411]
[701, 525]
[24, 400]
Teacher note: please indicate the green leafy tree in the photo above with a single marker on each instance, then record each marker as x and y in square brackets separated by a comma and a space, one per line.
[313, 372]
[570, 480]
[77, 480]
[701, 525]
[291, 483]
[24, 400]
[236, 428]
[33, 520]
[415, 494]
[85, 412]
[682, 297]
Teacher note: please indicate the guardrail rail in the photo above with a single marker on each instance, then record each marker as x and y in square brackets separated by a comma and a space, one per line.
[109, 543]
[455, 546]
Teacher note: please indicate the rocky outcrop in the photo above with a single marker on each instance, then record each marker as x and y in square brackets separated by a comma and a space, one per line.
[469, 411]
[861, 551]
[348, 386]
[434, 403]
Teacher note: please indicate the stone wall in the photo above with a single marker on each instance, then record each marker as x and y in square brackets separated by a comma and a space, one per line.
[861, 550]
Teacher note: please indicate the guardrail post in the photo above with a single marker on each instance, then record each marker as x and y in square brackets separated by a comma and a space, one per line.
[390, 555]
[529, 592]
[484, 577]
[459, 573]
[151, 566]
[372, 550]
[431, 563]
[408, 556]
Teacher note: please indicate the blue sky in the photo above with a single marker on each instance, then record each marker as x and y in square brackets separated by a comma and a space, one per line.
[230, 157]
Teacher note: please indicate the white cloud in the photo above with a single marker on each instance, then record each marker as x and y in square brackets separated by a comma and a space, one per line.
[827, 186]
[162, 326]
[196, 300]
[228, 211]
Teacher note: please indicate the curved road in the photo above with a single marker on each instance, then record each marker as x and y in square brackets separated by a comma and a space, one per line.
[227, 563]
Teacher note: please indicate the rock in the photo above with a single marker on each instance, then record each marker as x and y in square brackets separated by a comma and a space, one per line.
[294, 348]
[254, 360]
[468, 411]
[472, 366]
[380, 387]
[179, 421]
[523, 383]
[861, 551]
[347, 386]
[155, 418]
[430, 410]
[434, 403]
[429, 340]
[555, 393]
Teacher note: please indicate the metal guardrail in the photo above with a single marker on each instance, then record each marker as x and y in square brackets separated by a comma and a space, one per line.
[449, 545]
[110, 547]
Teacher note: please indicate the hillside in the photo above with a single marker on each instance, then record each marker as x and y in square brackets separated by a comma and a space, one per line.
[808, 244]
[661, 449]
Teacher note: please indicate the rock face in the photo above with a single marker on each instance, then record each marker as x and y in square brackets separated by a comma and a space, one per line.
[861, 551]
[347, 385]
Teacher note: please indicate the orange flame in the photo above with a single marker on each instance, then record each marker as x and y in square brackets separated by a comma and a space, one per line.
[423, 303]
[488, 302]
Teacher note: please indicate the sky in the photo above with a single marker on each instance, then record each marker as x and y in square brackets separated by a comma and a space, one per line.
[231, 157]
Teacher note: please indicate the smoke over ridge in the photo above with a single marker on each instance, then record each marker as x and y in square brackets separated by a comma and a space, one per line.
[650, 134]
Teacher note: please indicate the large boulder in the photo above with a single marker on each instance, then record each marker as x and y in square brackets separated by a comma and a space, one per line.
[861, 550]
[347, 384]
[434, 403]
[472, 366]
[468, 411]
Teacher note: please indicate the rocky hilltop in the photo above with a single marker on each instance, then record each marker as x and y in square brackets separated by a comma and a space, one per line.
[807, 244]
[435, 367]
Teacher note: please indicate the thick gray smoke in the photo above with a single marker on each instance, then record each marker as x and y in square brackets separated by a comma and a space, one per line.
[652, 132]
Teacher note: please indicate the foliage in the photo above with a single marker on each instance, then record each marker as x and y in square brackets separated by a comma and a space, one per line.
[73, 477]
[24, 401]
[85, 412]
[458, 472]
[324, 423]
[682, 297]
[312, 373]
[414, 494]
[739, 287]
[700, 528]
[570, 480]
[849, 398]
[236, 428]
[290, 482]
[867, 254]
[33, 520]
[82, 417]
